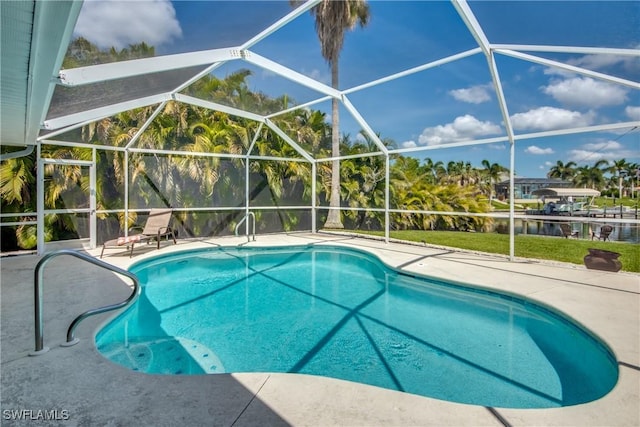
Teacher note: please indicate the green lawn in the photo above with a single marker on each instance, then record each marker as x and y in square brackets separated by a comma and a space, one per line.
[609, 201]
[527, 246]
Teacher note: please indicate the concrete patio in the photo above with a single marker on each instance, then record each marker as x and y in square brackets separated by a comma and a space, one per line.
[85, 389]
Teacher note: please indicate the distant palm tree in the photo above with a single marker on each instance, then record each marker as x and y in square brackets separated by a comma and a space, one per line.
[591, 176]
[492, 172]
[332, 19]
[619, 168]
[562, 170]
[633, 173]
[436, 170]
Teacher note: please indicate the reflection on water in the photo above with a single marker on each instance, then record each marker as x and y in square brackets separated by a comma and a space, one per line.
[626, 232]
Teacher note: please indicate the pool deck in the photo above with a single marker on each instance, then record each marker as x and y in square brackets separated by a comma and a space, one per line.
[87, 390]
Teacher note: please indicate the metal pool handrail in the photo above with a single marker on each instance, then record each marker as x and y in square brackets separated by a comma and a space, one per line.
[71, 340]
[244, 218]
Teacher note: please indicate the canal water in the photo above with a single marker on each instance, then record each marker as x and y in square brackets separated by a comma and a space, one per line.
[624, 232]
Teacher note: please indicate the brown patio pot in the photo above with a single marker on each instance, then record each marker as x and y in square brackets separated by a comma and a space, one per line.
[599, 259]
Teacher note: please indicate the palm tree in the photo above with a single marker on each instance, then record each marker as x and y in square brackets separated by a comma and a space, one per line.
[590, 176]
[492, 172]
[435, 170]
[16, 175]
[619, 168]
[633, 173]
[332, 18]
[562, 171]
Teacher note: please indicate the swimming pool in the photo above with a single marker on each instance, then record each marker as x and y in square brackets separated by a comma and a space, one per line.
[341, 313]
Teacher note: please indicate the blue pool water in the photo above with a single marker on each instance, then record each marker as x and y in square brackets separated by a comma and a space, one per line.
[342, 313]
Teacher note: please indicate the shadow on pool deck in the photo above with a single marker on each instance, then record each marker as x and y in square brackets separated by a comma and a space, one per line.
[94, 391]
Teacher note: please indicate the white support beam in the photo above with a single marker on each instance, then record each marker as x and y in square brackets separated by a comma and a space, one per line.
[387, 196]
[247, 176]
[596, 128]
[476, 30]
[314, 207]
[493, 68]
[62, 130]
[472, 24]
[280, 159]
[125, 225]
[93, 220]
[450, 145]
[80, 145]
[414, 70]
[39, 201]
[280, 23]
[512, 203]
[299, 107]
[365, 126]
[102, 112]
[290, 141]
[197, 77]
[52, 30]
[567, 49]
[518, 137]
[502, 102]
[146, 125]
[567, 67]
[217, 107]
[351, 156]
[267, 64]
[185, 153]
[214, 155]
[255, 139]
[118, 70]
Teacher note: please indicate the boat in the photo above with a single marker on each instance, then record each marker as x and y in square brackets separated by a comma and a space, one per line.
[566, 201]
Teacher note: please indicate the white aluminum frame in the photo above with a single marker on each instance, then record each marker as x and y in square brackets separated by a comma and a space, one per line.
[41, 211]
[216, 57]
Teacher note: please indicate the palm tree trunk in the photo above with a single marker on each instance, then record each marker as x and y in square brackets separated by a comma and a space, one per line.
[620, 186]
[334, 217]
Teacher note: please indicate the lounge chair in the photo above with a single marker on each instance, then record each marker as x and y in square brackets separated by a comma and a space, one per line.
[567, 231]
[156, 227]
[605, 231]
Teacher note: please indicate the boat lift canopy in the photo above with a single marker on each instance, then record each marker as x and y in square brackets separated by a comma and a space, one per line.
[566, 192]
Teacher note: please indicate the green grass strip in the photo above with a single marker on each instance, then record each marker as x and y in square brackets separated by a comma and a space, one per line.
[526, 246]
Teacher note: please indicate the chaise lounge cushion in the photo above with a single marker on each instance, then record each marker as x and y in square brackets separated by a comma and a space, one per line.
[156, 227]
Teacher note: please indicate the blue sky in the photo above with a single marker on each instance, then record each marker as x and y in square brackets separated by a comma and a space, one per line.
[454, 102]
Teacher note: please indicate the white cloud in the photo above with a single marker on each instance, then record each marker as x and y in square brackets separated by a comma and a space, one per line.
[601, 150]
[587, 156]
[463, 128]
[552, 71]
[632, 112]
[548, 118]
[109, 23]
[318, 75]
[603, 145]
[599, 62]
[408, 144]
[586, 92]
[473, 95]
[533, 149]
